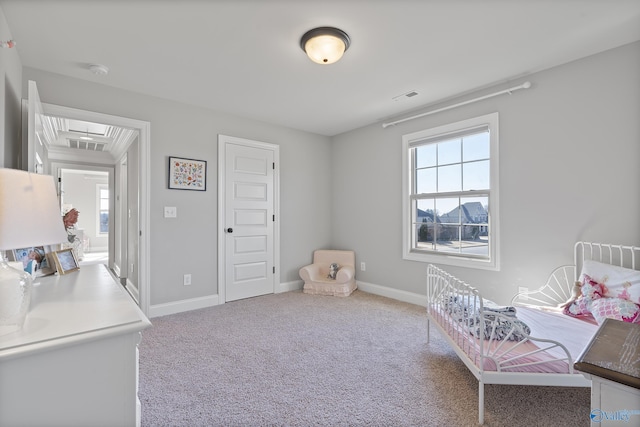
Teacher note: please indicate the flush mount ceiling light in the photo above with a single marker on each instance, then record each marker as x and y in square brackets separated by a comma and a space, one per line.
[325, 45]
[99, 69]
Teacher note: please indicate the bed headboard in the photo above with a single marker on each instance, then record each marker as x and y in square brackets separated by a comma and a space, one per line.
[559, 286]
[623, 256]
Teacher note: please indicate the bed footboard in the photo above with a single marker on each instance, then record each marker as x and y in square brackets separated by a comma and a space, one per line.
[495, 346]
[492, 337]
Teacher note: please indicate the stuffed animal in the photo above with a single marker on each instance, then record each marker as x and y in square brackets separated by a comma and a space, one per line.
[576, 292]
[333, 270]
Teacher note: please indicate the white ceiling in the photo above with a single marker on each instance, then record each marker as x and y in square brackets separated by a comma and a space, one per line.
[243, 57]
[62, 133]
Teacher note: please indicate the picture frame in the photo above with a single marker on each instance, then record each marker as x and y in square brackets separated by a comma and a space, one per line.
[187, 174]
[65, 261]
[47, 265]
[36, 265]
[20, 254]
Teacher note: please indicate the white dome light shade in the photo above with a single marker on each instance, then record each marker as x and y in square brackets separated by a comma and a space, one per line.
[99, 69]
[325, 45]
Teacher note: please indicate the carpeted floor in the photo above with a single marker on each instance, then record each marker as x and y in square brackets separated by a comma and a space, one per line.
[294, 359]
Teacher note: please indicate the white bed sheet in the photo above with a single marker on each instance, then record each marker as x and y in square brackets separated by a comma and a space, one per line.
[552, 324]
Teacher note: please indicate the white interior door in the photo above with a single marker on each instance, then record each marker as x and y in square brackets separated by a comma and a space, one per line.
[34, 160]
[121, 207]
[248, 219]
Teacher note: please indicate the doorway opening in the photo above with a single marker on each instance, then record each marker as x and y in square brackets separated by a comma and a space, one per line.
[87, 191]
[128, 210]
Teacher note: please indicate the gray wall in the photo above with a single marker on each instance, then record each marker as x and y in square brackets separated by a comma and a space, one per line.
[569, 154]
[188, 244]
[10, 96]
[569, 149]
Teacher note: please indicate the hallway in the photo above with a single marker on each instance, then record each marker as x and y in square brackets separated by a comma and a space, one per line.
[90, 258]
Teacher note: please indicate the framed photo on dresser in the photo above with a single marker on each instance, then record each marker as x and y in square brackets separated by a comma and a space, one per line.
[65, 261]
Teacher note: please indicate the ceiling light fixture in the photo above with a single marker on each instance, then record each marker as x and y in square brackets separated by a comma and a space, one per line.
[325, 45]
[99, 69]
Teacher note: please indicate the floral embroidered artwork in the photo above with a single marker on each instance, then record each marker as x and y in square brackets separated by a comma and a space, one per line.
[187, 174]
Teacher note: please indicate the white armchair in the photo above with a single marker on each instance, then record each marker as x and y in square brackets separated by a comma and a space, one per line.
[316, 275]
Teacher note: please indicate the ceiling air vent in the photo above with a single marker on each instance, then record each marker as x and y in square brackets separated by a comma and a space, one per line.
[86, 145]
[406, 95]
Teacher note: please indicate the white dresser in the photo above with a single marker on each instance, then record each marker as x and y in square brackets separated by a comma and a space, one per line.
[75, 363]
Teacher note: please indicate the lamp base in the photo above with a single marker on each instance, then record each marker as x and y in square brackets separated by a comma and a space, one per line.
[15, 297]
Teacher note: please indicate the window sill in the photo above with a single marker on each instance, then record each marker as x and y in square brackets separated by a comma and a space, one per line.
[457, 261]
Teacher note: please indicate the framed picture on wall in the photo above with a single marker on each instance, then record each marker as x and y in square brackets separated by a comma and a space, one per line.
[187, 174]
[65, 261]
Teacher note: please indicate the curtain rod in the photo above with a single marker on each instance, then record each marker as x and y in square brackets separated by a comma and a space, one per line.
[525, 85]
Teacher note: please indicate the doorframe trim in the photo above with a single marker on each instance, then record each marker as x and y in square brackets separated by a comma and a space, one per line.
[223, 140]
[144, 218]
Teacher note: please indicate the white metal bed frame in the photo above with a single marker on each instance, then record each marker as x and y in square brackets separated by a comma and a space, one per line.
[442, 287]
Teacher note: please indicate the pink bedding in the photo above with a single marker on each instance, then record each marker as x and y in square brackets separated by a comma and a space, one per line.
[526, 355]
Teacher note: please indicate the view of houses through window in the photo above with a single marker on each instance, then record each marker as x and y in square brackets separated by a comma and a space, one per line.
[464, 229]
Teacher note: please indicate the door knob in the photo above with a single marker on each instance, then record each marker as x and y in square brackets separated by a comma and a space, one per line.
[229, 230]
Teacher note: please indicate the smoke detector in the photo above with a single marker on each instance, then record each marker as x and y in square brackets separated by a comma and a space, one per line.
[99, 69]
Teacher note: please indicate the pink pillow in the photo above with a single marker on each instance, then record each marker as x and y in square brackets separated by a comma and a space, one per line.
[594, 302]
[615, 308]
[619, 282]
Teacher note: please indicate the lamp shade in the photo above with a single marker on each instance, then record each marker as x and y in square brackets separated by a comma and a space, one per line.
[29, 210]
[325, 45]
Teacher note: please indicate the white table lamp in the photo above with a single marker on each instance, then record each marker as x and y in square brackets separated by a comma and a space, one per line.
[29, 216]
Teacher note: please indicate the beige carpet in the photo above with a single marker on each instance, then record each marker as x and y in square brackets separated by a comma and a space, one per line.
[294, 359]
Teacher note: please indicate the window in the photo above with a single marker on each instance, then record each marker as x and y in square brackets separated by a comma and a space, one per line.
[103, 208]
[450, 194]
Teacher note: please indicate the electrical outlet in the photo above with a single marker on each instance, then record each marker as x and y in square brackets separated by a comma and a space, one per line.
[522, 289]
[363, 266]
[186, 280]
[170, 212]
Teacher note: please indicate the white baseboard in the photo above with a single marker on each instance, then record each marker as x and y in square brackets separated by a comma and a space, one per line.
[183, 305]
[397, 294]
[295, 285]
[158, 310]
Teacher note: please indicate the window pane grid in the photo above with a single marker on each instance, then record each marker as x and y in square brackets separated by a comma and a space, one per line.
[103, 209]
[452, 165]
[450, 182]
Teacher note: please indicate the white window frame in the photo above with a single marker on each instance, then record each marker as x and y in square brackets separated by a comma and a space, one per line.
[98, 210]
[460, 260]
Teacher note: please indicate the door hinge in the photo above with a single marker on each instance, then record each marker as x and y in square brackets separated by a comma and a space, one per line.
[274, 165]
[274, 270]
[274, 218]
